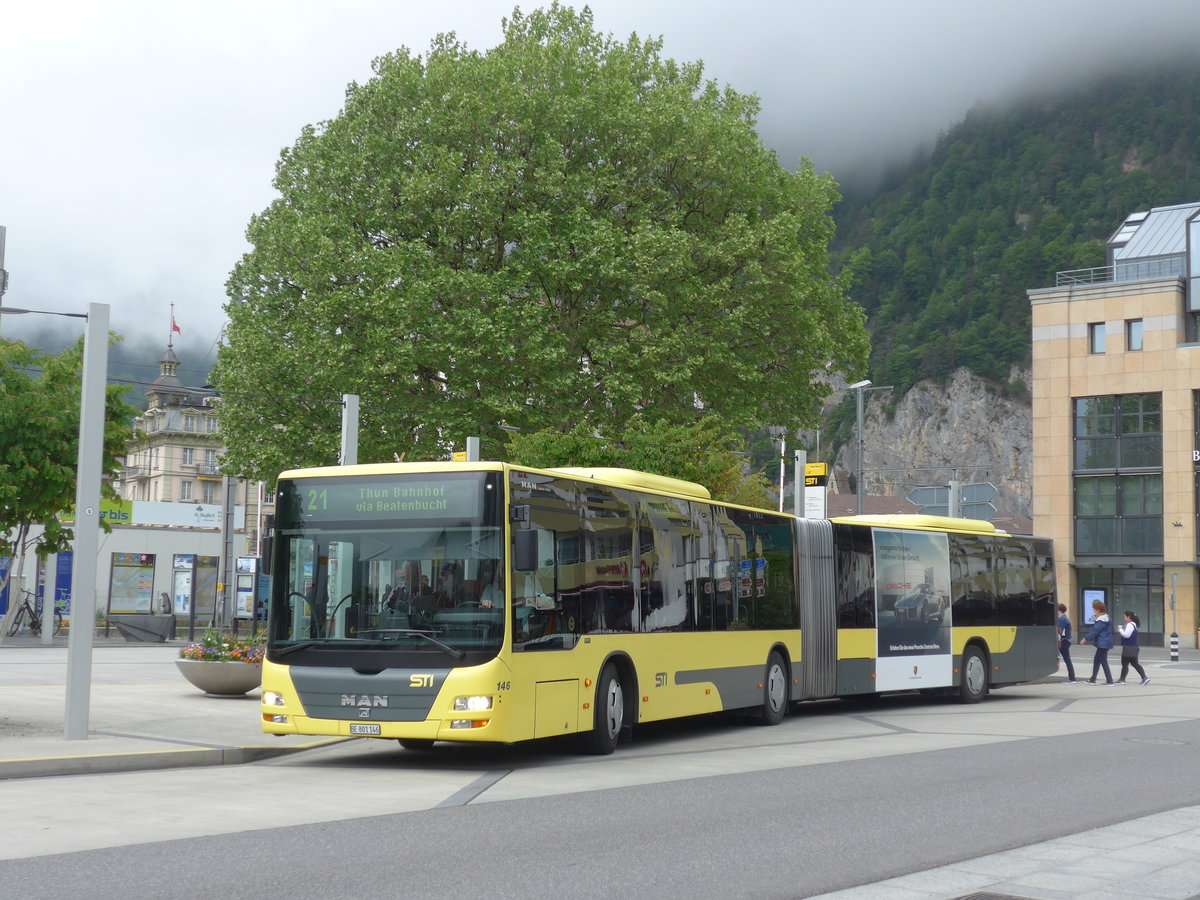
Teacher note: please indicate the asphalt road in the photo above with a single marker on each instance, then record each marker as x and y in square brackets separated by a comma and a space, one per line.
[842, 794]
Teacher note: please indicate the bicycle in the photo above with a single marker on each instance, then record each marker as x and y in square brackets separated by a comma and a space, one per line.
[29, 615]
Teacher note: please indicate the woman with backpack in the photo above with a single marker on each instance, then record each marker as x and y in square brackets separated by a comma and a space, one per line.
[1129, 648]
[1101, 636]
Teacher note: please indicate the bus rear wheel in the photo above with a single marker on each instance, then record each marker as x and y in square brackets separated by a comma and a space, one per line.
[609, 713]
[775, 690]
[973, 685]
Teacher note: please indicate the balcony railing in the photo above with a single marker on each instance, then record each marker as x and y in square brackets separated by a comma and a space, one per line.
[1096, 275]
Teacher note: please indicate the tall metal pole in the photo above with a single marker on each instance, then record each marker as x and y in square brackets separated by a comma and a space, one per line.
[859, 387]
[349, 456]
[858, 485]
[89, 464]
[799, 498]
[782, 464]
[1174, 632]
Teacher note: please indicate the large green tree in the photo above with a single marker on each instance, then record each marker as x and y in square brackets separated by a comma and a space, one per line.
[39, 447]
[565, 229]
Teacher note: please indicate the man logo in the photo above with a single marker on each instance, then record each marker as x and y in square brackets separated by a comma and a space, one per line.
[914, 670]
[367, 700]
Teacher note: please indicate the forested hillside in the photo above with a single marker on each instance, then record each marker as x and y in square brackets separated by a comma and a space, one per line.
[941, 257]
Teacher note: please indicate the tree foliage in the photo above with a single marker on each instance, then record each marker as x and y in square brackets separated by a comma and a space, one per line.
[941, 257]
[703, 451]
[565, 229]
[39, 446]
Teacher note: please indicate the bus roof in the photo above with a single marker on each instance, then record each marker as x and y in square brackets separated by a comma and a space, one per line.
[635, 479]
[922, 523]
[611, 475]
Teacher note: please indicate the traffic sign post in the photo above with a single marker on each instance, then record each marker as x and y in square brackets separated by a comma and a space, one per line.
[980, 492]
[929, 495]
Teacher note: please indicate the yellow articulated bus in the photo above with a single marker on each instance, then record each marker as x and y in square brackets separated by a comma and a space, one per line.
[484, 601]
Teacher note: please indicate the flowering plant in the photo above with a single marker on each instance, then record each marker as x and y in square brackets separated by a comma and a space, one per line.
[217, 647]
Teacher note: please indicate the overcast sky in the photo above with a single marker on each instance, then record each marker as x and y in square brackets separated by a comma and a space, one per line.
[137, 137]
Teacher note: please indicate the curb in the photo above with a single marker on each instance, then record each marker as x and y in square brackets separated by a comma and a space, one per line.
[41, 767]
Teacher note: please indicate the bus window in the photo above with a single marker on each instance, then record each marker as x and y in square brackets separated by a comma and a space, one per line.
[855, 572]
[1014, 581]
[546, 599]
[973, 583]
[705, 582]
[606, 594]
[668, 560]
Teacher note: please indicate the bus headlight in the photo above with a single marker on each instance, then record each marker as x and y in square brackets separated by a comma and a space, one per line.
[472, 704]
[271, 698]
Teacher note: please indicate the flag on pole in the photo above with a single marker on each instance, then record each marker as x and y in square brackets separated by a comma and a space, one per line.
[175, 328]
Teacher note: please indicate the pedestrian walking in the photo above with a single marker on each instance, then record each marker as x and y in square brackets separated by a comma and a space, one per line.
[1129, 648]
[1064, 641]
[1101, 637]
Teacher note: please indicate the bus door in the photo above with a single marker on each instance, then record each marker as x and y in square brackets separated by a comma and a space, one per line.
[546, 588]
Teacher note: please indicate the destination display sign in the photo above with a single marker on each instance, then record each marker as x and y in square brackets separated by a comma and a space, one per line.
[432, 496]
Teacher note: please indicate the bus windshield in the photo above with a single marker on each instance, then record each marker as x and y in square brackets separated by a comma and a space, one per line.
[384, 565]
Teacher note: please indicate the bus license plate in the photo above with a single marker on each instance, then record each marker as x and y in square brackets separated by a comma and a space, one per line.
[359, 728]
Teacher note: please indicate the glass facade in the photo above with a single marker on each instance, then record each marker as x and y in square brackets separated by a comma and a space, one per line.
[1137, 590]
[1118, 475]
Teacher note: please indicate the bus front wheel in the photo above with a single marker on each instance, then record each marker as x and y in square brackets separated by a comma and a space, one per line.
[415, 743]
[775, 690]
[609, 713]
[973, 686]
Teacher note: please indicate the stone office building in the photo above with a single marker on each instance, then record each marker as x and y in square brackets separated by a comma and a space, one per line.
[1116, 425]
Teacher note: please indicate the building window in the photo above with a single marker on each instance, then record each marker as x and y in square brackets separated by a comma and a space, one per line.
[1133, 334]
[185, 490]
[208, 492]
[210, 458]
[1118, 511]
[189, 423]
[1118, 514]
[1096, 337]
[210, 424]
[189, 456]
[1120, 432]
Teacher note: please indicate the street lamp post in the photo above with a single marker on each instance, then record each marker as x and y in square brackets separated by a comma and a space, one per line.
[858, 387]
[89, 465]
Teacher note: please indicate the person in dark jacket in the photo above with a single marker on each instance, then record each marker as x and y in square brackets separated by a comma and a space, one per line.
[1129, 648]
[1101, 636]
[1064, 641]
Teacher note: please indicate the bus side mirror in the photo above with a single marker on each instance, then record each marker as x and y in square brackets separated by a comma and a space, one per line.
[268, 547]
[525, 550]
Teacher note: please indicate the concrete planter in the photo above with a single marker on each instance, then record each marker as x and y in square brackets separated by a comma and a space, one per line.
[220, 678]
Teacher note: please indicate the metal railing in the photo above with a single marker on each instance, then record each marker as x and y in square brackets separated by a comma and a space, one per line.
[1096, 275]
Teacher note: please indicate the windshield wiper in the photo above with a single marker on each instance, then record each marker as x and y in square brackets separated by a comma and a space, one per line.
[314, 642]
[453, 651]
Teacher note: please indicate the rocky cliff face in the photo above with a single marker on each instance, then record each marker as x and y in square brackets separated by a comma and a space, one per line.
[957, 429]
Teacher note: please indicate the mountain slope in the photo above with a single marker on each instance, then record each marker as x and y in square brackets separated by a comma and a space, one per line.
[941, 258]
